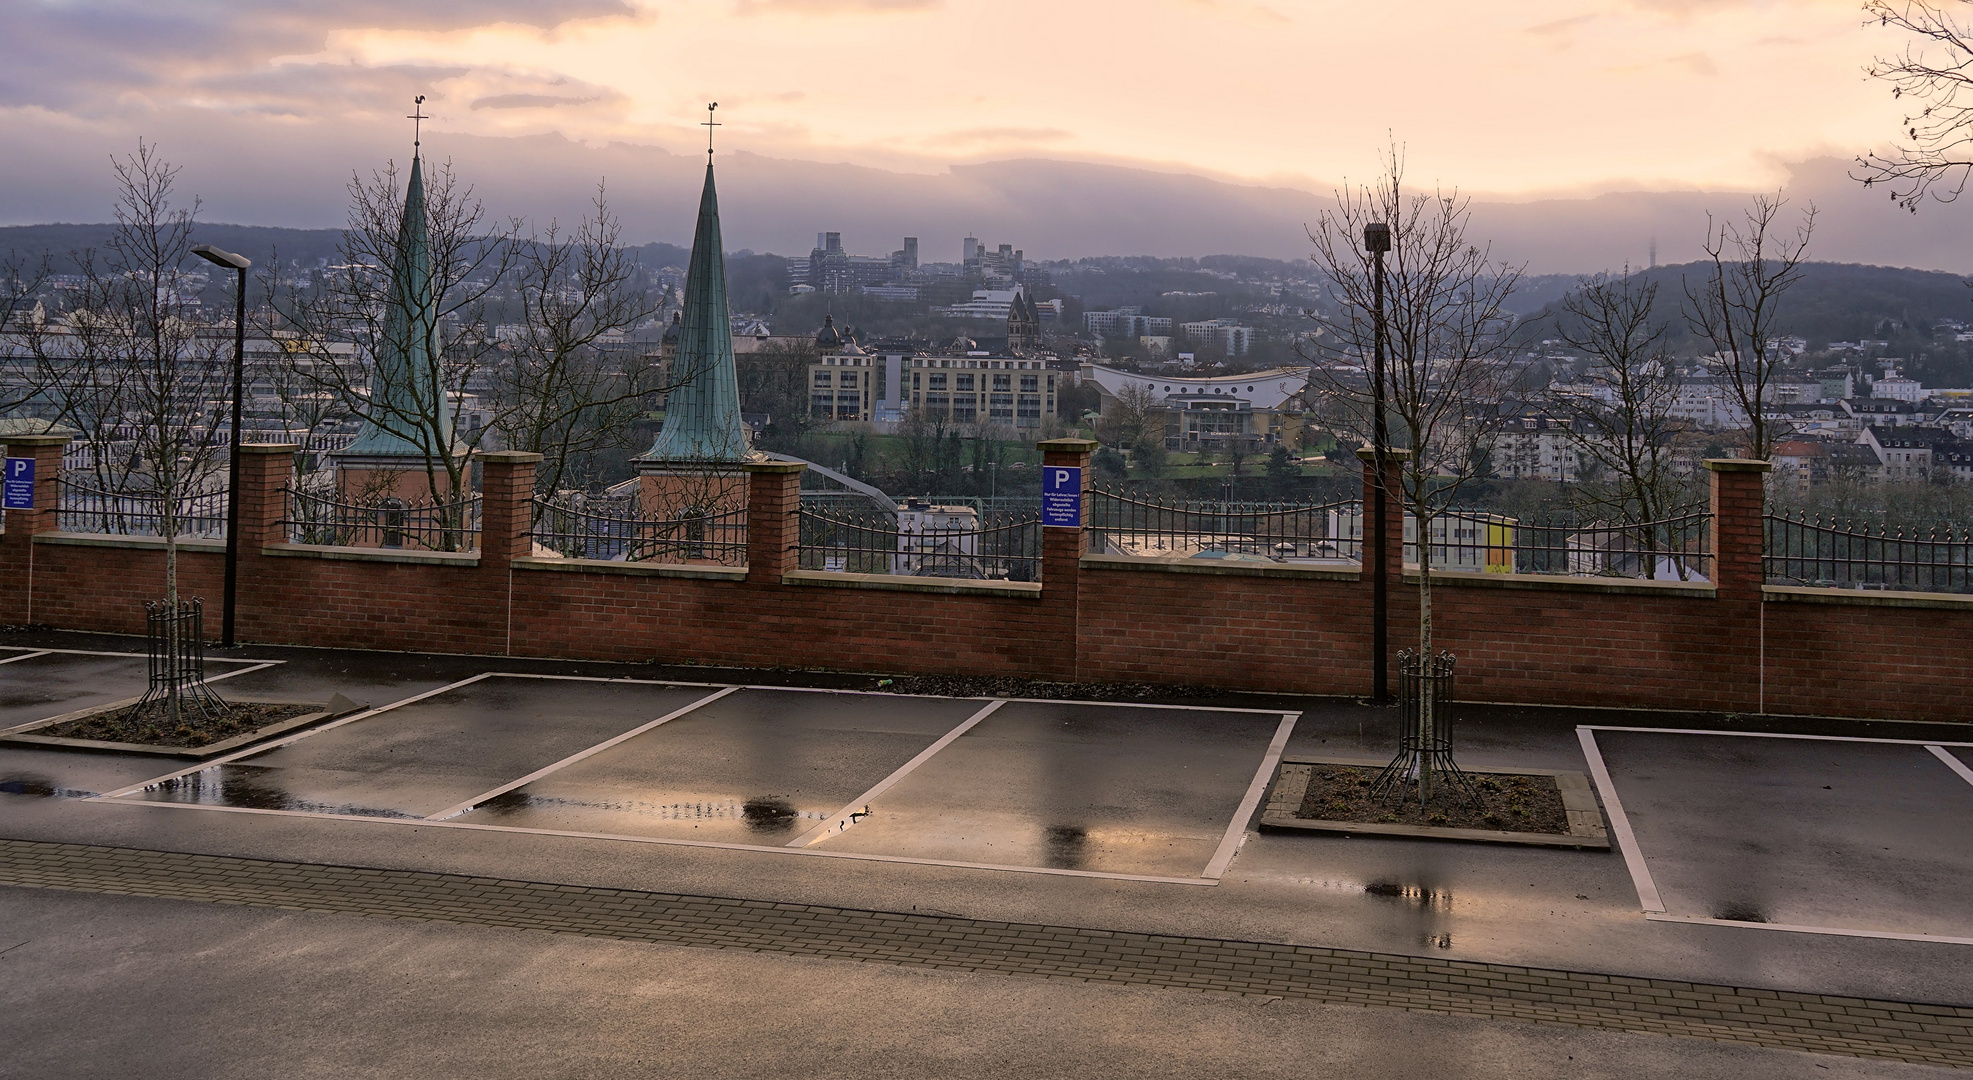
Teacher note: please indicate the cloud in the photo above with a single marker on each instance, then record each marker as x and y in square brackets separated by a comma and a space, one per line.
[1558, 27]
[831, 7]
[529, 101]
[983, 135]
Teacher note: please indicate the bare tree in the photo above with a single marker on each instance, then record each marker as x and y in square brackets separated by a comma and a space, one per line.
[1737, 308]
[23, 321]
[773, 379]
[442, 323]
[1934, 152]
[559, 391]
[1446, 332]
[1619, 412]
[138, 370]
[1130, 421]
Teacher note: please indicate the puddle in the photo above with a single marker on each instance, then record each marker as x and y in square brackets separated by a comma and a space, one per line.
[1419, 896]
[764, 814]
[39, 787]
[247, 787]
[1740, 911]
[767, 815]
[1068, 847]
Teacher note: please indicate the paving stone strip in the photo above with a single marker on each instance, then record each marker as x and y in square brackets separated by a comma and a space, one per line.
[1935, 1034]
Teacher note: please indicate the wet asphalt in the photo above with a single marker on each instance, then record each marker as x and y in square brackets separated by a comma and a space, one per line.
[1742, 827]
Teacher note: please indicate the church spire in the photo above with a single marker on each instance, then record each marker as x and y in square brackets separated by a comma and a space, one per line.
[408, 417]
[702, 415]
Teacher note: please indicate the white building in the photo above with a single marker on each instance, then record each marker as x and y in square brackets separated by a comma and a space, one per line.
[1231, 337]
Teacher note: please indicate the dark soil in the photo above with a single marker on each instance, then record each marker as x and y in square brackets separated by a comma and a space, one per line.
[1507, 803]
[152, 727]
[1011, 687]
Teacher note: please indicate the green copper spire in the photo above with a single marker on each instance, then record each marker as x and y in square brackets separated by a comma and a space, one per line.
[408, 418]
[702, 416]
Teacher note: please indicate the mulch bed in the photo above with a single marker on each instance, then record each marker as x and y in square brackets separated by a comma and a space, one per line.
[1508, 803]
[1010, 687]
[152, 727]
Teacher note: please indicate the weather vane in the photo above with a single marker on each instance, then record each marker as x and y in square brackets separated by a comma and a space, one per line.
[417, 119]
[708, 125]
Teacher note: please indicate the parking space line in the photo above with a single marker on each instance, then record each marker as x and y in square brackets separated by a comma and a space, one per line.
[26, 656]
[295, 738]
[1640, 874]
[662, 841]
[605, 678]
[1831, 931]
[841, 819]
[1770, 735]
[141, 656]
[459, 808]
[1024, 700]
[1953, 763]
[1236, 831]
[262, 665]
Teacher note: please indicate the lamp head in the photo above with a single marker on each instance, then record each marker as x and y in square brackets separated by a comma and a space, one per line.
[1377, 237]
[220, 257]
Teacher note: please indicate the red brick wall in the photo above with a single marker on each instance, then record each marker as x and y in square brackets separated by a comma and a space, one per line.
[1274, 630]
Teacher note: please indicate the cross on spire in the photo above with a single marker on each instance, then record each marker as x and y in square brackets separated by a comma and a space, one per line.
[708, 125]
[417, 119]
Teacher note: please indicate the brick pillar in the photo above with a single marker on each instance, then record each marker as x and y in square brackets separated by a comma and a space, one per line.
[506, 507]
[1739, 536]
[1400, 603]
[774, 503]
[17, 545]
[266, 471]
[1057, 638]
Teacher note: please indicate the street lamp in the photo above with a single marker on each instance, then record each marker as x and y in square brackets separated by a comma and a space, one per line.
[238, 264]
[1377, 241]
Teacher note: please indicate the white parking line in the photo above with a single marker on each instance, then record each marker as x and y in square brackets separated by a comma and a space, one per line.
[1025, 700]
[459, 808]
[1831, 931]
[810, 853]
[141, 656]
[1236, 832]
[1770, 735]
[841, 819]
[1953, 763]
[1640, 874]
[295, 738]
[26, 656]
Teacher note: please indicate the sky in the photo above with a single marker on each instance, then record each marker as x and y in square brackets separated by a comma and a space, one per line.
[910, 116]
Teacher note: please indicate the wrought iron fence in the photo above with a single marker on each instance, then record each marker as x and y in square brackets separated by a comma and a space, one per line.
[924, 541]
[1677, 548]
[85, 509]
[609, 527]
[1124, 524]
[1846, 555]
[427, 525]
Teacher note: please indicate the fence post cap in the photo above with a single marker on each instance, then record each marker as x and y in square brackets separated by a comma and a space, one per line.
[510, 457]
[1071, 446]
[774, 466]
[270, 448]
[1738, 465]
[1391, 453]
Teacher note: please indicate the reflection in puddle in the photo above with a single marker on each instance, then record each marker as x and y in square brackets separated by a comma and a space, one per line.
[249, 787]
[39, 786]
[1068, 847]
[1419, 896]
[761, 813]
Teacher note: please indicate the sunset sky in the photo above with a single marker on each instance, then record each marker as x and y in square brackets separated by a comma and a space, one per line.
[1511, 99]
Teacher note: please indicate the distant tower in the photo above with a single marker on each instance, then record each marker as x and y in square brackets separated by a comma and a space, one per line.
[400, 450]
[1654, 253]
[693, 468]
[911, 253]
[969, 250]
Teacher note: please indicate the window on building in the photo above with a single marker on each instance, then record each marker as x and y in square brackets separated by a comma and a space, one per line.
[1030, 384]
[848, 379]
[821, 404]
[1003, 382]
[965, 408]
[848, 406]
[938, 381]
[1030, 411]
[823, 378]
[964, 383]
[1000, 407]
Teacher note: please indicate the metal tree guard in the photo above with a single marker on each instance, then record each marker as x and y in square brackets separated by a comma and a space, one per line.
[176, 641]
[1424, 759]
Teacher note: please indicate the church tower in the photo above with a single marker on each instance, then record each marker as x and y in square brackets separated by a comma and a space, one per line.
[692, 470]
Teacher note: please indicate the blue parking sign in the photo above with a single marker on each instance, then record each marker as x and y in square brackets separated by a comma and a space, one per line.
[1061, 496]
[20, 483]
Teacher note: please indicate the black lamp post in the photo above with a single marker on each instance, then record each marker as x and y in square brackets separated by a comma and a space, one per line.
[1377, 240]
[238, 264]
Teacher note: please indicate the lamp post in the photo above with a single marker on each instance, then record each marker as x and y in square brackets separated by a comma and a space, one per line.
[238, 264]
[1377, 240]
